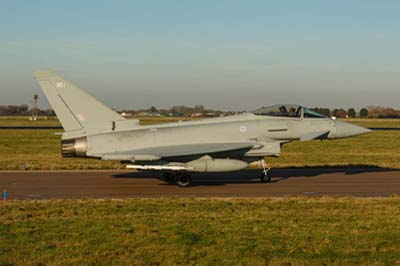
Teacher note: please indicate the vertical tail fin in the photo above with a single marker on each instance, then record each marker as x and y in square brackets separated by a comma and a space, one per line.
[75, 109]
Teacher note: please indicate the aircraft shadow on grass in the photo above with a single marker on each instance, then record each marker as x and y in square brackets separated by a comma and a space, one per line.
[252, 175]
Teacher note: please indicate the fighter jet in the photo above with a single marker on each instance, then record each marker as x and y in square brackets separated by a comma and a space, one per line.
[224, 144]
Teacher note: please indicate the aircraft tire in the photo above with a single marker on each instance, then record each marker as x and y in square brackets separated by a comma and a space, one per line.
[265, 178]
[183, 180]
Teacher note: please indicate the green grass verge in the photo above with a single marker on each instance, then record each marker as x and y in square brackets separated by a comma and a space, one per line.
[390, 123]
[40, 150]
[288, 231]
[24, 121]
[379, 148]
[53, 121]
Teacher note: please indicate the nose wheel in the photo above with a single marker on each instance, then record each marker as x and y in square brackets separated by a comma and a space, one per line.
[265, 175]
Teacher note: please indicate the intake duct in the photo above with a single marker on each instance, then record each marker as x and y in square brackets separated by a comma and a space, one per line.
[74, 147]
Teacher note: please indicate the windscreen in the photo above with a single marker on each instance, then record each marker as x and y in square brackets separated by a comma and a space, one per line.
[308, 113]
[285, 110]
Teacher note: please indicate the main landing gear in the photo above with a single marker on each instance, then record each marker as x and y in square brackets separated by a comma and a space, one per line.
[182, 179]
[265, 175]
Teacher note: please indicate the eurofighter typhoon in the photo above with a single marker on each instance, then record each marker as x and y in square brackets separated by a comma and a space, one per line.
[92, 130]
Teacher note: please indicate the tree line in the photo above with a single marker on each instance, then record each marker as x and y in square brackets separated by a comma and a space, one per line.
[372, 111]
[179, 111]
[23, 110]
[367, 112]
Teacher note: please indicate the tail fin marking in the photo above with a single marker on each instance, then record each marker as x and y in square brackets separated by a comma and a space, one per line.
[75, 108]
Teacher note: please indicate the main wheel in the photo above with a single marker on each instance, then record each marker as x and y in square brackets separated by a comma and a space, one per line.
[170, 178]
[183, 180]
[265, 177]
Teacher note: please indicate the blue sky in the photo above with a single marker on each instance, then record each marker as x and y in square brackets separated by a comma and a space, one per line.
[223, 54]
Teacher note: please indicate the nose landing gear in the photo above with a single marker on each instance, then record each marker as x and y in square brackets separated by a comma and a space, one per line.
[265, 175]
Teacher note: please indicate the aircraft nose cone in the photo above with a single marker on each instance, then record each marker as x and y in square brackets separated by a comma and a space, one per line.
[345, 130]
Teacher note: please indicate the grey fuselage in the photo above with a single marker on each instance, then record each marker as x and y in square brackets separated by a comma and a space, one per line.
[219, 144]
[266, 132]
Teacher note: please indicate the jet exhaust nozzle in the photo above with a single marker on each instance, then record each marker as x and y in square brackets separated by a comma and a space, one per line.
[74, 147]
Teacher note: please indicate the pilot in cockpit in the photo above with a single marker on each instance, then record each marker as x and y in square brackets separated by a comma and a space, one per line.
[292, 112]
[283, 110]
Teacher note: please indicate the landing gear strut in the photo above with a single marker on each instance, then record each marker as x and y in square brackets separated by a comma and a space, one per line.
[181, 179]
[265, 175]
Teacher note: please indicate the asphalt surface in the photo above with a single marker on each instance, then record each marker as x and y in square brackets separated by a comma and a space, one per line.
[122, 184]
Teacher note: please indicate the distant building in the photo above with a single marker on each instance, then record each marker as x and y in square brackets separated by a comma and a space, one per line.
[126, 114]
[143, 114]
[210, 114]
[155, 114]
[196, 115]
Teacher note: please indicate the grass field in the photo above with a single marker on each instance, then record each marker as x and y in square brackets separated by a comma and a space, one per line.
[286, 231]
[390, 123]
[24, 121]
[53, 121]
[40, 149]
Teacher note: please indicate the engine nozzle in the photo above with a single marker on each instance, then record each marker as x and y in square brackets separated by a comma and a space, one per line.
[74, 147]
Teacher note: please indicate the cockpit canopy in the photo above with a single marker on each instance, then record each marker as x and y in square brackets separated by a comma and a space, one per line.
[288, 110]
